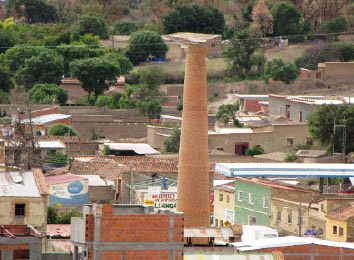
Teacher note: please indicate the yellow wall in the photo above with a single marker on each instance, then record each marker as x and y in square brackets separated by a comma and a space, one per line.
[221, 206]
[329, 230]
[35, 211]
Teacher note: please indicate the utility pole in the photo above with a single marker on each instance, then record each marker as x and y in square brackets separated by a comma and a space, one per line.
[131, 183]
[300, 219]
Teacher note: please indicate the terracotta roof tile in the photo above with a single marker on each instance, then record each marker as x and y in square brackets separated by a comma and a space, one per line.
[59, 230]
[40, 181]
[343, 214]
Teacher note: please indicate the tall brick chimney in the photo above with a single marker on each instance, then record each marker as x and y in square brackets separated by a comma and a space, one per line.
[193, 172]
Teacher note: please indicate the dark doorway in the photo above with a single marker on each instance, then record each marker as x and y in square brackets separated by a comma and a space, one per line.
[241, 148]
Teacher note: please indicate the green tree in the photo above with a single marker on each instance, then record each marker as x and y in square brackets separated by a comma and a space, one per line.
[125, 28]
[102, 101]
[336, 25]
[66, 217]
[95, 74]
[35, 11]
[148, 96]
[15, 57]
[143, 44]
[227, 112]
[321, 126]
[76, 52]
[62, 130]
[114, 101]
[150, 107]
[277, 69]
[5, 80]
[44, 68]
[317, 54]
[346, 51]
[4, 97]
[126, 101]
[6, 40]
[194, 18]
[244, 57]
[287, 19]
[48, 94]
[52, 215]
[120, 61]
[255, 150]
[93, 24]
[60, 159]
[171, 144]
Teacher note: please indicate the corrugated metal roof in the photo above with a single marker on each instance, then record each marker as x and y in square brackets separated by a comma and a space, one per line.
[219, 232]
[62, 178]
[234, 130]
[96, 180]
[138, 148]
[40, 120]
[286, 169]
[59, 230]
[18, 185]
[51, 144]
[287, 241]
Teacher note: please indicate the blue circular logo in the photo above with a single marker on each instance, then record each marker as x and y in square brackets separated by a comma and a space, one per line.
[75, 187]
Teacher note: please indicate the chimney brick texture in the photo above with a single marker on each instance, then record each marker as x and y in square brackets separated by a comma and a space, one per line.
[193, 171]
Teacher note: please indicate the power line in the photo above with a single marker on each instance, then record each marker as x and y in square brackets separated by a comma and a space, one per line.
[186, 42]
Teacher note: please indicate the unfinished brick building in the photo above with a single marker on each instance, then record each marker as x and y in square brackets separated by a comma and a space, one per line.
[129, 232]
[20, 242]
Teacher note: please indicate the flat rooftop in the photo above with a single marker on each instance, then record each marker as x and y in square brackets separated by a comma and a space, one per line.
[285, 169]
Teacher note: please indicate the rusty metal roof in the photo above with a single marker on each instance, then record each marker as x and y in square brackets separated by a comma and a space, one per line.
[59, 230]
[218, 232]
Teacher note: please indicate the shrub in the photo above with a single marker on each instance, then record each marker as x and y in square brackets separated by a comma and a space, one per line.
[106, 150]
[346, 51]
[291, 157]
[171, 144]
[336, 25]
[125, 28]
[66, 217]
[52, 215]
[48, 94]
[60, 159]
[255, 150]
[62, 130]
[4, 97]
[317, 54]
[277, 69]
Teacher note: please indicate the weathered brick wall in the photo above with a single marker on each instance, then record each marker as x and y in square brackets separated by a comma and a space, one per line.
[46, 111]
[297, 252]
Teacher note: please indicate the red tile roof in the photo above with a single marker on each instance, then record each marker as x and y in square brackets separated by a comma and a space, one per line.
[18, 230]
[40, 181]
[63, 178]
[343, 214]
[56, 230]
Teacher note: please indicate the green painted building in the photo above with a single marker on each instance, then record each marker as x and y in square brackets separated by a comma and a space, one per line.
[252, 203]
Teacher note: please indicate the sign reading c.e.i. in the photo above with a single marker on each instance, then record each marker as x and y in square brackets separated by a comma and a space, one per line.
[75, 187]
